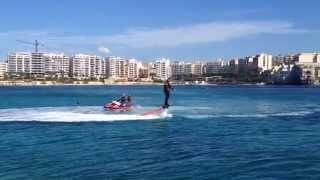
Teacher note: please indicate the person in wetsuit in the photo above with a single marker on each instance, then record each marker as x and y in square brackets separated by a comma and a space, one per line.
[122, 100]
[167, 88]
[129, 101]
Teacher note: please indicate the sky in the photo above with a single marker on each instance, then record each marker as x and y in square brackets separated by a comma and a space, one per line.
[147, 29]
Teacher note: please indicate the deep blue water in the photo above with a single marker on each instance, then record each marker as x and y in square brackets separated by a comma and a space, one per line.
[210, 132]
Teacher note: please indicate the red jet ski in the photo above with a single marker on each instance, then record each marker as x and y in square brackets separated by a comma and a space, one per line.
[118, 106]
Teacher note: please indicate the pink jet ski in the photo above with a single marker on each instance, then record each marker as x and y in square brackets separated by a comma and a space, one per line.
[123, 104]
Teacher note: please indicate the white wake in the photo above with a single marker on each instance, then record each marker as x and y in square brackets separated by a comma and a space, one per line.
[73, 114]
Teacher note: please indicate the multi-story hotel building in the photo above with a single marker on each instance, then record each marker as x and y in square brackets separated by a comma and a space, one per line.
[116, 68]
[37, 64]
[26, 63]
[19, 63]
[57, 64]
[86, 66]
[162, 67]
[97, 67]
[133, 70]
[120, 68]
[80, 66]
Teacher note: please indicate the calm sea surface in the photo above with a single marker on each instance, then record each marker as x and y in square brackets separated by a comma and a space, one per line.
[210, 132]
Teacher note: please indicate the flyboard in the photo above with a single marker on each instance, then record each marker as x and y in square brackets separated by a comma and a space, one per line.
[157, 111]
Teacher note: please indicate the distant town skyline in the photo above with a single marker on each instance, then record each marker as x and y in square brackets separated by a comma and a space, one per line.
[205, 30]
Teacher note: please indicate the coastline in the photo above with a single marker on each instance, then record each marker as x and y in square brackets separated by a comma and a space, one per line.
[97, 83]
[78, 83]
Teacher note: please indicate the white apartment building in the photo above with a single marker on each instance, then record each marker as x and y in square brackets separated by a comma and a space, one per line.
[133, 70]
[263, 62]
[116, 67]
[308, 58]
[80, 66]
[37, 63]
[181, 68]
[97, 67]
[163, 70]
[86, 66]
[310, 65]
[3, 69]
[19, 62]
[57, 64]
[120, 68]
[26, 63]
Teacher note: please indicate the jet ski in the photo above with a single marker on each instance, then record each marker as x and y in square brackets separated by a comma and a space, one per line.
[122, 105]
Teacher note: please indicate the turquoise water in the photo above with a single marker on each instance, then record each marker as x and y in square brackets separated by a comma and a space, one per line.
[210, 132]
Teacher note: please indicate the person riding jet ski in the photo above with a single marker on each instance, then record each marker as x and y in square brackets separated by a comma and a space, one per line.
[123, 103]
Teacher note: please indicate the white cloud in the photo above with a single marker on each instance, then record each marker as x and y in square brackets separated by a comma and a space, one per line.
[104, 50]
[212, 32]
[198, 33]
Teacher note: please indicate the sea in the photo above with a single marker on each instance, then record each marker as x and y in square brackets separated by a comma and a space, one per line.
[209, 132]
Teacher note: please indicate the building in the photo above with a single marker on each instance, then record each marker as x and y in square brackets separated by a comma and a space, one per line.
[57, 65]
[177, 69]
[116, 68]
[187, 69]
[310, 65]
[37, 64]
[80, 66]
[262, 62]
[278, 60]
[234, 66]
[307, 58]
[163, 70]
[87, 67]
[144, 70]
[252, 64]
[97, 67]
[214, 67]
[196, 69]
[19, 63]
[152, 71]
[281, 73]
[133, 69]
[3, 69]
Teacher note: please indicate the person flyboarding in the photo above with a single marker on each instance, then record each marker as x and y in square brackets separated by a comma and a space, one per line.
[167, 88]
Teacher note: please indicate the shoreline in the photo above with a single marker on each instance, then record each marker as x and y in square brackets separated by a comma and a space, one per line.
[79, 83]
[94, 83]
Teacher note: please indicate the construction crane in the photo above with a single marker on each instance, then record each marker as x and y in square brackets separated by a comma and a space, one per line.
[36, 44]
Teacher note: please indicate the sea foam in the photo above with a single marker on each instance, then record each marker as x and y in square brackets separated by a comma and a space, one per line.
[73, 114]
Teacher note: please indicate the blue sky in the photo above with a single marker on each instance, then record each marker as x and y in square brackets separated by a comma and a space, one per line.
[176, 29]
